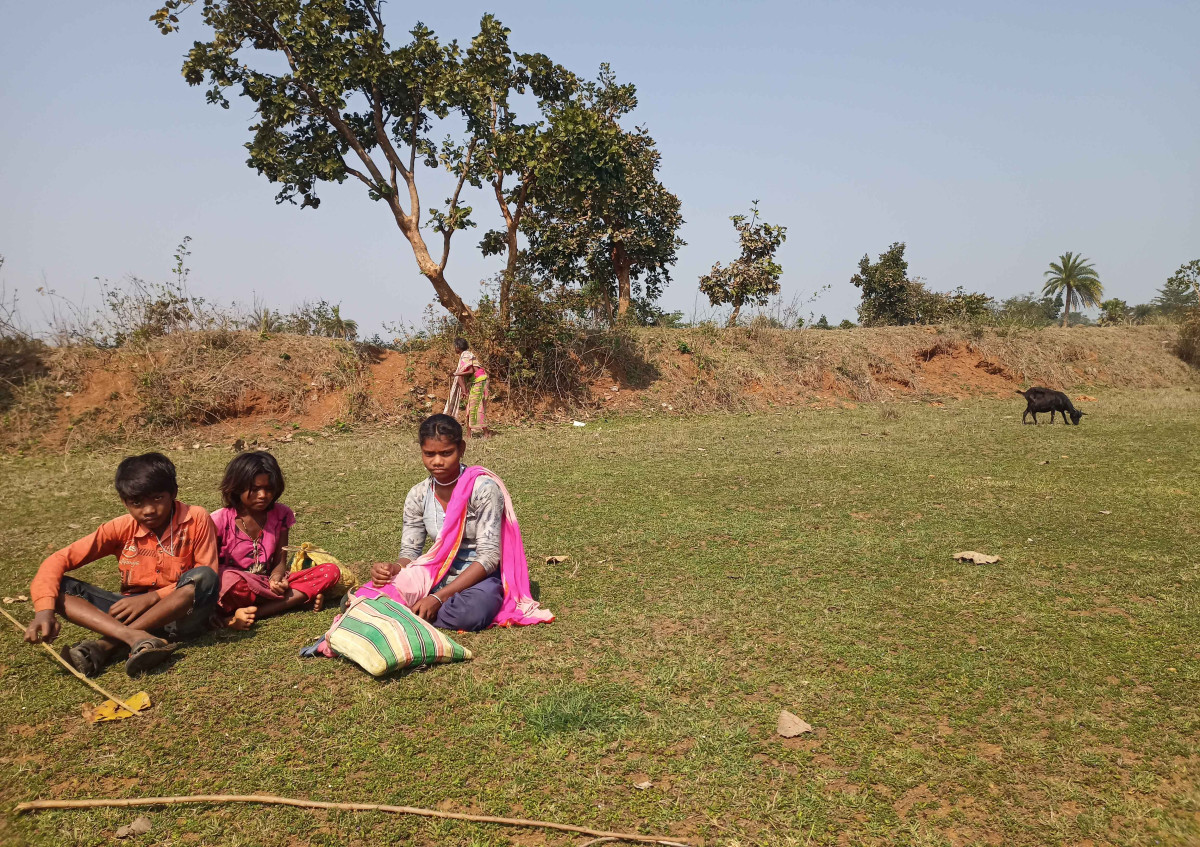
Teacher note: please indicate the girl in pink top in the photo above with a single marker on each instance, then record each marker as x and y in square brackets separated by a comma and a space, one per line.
[252, 532]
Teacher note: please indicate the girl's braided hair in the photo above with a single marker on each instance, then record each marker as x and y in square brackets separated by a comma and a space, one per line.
[440, 426]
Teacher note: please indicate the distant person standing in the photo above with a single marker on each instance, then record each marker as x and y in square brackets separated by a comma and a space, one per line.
[469, 367]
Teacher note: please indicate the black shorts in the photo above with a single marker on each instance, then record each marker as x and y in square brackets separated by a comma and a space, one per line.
[203, 580]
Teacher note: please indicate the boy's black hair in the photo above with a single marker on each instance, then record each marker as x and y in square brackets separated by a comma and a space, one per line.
[440, 426]
[141, 476]
[461, 345]
[240, 474]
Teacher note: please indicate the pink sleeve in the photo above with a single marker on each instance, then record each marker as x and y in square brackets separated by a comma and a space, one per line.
[222, 520]
[287, 518]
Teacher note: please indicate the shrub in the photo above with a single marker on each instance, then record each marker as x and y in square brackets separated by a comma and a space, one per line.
[1187, 346]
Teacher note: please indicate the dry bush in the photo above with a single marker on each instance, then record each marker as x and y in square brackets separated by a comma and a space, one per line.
[200, 378]
[1187, 346]
[180, 380]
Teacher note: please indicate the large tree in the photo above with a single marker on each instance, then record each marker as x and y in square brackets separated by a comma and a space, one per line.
[752, 277]
[602, 220]
[1077, 282]
[1181, 291]
[334, 100]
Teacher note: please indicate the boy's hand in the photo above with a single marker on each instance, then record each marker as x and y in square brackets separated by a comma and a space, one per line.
[383, 572]
[43, 627]
[131, 608]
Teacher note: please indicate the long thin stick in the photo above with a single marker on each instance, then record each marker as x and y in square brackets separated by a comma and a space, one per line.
[452, 398]
[37, 805]
[76, 673]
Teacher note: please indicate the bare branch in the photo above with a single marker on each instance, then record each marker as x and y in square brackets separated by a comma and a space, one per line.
[466, 167]
[522, 196]
[374, 13]
[385, 143]
[362, 176]
[412, 140]
[498, 184]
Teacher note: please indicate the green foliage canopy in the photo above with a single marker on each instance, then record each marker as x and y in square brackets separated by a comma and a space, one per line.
[1181, 291]
[511, 154]
[1115, 311]
[334, 100]
[886, 294]
[1030, 310]
[601, 220]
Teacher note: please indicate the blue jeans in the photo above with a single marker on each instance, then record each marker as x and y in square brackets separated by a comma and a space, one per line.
[203, 580]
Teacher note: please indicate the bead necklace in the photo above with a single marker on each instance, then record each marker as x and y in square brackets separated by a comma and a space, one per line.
[255, 543]
[170, 536]
[461, 470]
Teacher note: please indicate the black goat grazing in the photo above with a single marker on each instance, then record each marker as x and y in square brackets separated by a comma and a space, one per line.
[1048, 400]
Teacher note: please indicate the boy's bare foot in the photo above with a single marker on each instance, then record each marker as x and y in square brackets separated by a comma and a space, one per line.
[318, 602]
[243, 618]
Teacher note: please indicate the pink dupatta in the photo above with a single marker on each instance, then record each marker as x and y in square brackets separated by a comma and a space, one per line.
[519, 607]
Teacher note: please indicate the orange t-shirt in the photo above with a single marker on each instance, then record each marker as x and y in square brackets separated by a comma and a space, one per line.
[144, 565]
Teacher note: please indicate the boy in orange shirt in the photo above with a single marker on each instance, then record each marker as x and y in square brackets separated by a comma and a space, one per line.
[167, 554]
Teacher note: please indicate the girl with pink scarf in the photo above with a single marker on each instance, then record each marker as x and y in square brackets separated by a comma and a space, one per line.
[475, 575]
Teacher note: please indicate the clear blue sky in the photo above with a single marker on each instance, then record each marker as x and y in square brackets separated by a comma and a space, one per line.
[989, 139]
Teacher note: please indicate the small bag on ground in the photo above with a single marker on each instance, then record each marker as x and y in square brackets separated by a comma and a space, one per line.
[307, 555]
[382, 636]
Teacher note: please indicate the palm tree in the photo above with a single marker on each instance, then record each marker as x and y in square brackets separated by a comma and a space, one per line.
[340, 327]
[1075, 280]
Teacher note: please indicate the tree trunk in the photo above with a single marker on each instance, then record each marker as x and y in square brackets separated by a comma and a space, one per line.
[432, 271]
[606, 299]
[451, 301]
[737, 308]
[510, 274]
[1067, 306]
[621, 264]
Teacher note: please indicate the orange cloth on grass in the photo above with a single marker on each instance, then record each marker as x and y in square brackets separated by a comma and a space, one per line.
[144, 566]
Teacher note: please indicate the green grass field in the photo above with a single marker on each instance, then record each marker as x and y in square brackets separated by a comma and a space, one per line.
[721, 569]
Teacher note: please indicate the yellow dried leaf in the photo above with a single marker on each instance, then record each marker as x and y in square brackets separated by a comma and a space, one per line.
[110, 711]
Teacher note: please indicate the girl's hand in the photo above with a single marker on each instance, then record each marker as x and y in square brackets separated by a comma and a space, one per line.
[279, 581]
[383, 572]
[427, 607]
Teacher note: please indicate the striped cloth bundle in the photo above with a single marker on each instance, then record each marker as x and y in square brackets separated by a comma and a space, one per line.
[383, 636]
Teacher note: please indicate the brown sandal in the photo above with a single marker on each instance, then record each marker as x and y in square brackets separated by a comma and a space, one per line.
[147, 654]
[87, 657]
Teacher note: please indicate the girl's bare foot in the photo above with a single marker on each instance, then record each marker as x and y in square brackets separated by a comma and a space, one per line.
[243, 618]
[318, 602]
